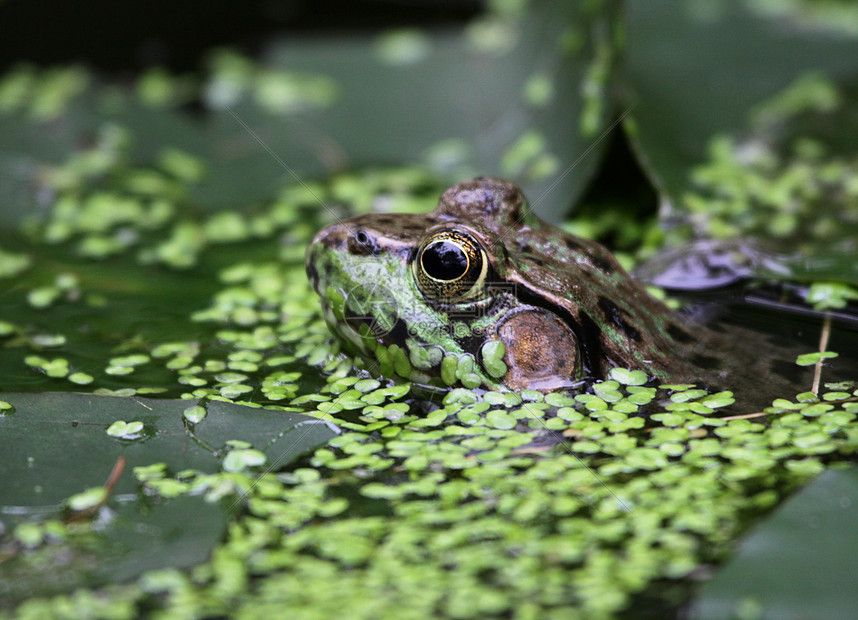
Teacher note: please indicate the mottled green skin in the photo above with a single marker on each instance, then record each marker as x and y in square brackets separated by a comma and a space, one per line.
[597, 316]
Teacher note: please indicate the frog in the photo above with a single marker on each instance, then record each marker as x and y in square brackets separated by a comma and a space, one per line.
[481, 293]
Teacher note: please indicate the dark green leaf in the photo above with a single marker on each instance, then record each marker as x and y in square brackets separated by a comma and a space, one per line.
[799, 563]
[698, 69]
[56, 444]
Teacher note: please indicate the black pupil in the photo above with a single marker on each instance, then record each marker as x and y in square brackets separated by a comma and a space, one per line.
[444, 261]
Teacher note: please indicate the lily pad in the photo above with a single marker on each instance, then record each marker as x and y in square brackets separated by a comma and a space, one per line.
[59, 445]
[699, 69]
[56, 444]
[799, 563]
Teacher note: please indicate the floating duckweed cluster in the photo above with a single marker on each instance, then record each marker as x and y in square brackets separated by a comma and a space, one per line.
[233, 77]
[125, 430]
[513, 505]
[529, 157]
[106, 207]
[12, 263]
[41, 94]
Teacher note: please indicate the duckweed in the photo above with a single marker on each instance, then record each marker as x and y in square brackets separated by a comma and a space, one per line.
[43, 296]
[492, 353]
[87, 499]
[125, 430]
[195, 414]
[56, 368]
[12, 264]
[467, 504]
[242, 458]
[628, 377]
[809, 359]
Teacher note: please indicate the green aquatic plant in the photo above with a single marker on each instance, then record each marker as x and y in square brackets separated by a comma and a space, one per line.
[165, 287]
[479, 505]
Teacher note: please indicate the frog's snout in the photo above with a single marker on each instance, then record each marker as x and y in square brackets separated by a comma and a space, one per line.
[333, 237]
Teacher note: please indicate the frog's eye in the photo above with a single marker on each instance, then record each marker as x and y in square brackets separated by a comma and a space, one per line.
[450, 266]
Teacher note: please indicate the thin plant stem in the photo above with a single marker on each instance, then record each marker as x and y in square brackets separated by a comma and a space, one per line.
[823, 345]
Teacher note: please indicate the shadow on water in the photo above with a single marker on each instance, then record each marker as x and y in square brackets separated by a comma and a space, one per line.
[762, 338]
[780, 331]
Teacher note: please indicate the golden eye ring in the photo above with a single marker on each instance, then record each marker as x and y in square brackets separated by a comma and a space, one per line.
[450, 266]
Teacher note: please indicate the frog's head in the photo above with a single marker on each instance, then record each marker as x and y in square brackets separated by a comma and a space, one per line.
[481, 293]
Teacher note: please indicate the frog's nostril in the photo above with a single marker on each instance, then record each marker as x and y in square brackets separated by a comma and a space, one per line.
[362, 243]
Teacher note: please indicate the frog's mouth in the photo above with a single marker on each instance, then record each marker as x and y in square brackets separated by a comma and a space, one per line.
[363, 332]
[374, 329]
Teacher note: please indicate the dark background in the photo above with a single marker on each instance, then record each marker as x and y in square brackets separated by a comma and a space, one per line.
[130, 35]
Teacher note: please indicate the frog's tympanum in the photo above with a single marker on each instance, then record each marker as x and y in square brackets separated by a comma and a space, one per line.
[482, 293]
